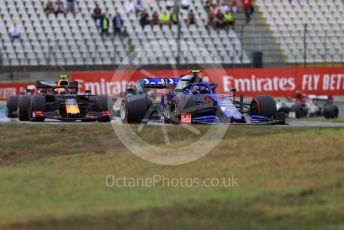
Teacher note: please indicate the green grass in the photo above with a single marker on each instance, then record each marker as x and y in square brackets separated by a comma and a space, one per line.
[53, 177]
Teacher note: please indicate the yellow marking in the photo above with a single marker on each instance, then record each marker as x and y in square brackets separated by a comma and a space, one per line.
[72, 109]
[195, 71]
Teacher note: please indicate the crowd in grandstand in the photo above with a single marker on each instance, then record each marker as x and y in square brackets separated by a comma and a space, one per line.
[221, 15]
[59, 8]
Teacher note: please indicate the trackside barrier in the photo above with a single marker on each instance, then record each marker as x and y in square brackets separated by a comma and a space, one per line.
[277, 82]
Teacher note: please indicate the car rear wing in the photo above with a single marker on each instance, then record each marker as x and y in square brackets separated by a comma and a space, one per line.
[53, 84]
[45, 84]
[318, 97]
[158, 83]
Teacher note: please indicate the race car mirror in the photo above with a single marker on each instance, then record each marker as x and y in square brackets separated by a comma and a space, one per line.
[214, 86]
[88, 91]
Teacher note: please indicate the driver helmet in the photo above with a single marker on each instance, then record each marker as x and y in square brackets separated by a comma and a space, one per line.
[64, 77]
[63, 80]
[195, 78]
[196, 88]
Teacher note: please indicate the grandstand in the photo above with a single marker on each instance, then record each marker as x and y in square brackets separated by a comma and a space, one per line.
[324, 32]
[75, 40]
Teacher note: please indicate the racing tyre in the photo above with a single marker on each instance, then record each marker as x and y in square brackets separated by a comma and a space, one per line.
[134, 109]
[23, 107]
[12, 106]
[179, 105]
[264, 105]
[331, 111]
[37, 104]
[103, 106]
[298, 110]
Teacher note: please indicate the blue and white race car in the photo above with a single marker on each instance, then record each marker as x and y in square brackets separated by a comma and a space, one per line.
[194, 101]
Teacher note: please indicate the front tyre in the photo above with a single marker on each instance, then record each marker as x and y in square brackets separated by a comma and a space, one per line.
[264, 105]
[12, 107]
[299, 110]
[103, 106]
[23, 107]
[37, 104]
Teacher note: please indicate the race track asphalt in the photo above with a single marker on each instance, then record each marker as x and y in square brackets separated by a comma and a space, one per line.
[4, 119]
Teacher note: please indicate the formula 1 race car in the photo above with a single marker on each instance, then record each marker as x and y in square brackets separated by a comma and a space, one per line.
[302, 105]
[61, 101]
[190, 100]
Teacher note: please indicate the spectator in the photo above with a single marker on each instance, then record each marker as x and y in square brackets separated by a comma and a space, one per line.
[229, 19]
[174, 17]
[169, 4]
[207, 6]
[139, 7]
[144, 18]
[49, 8]
[212, 15]
[219, 20]
[191, 18]
[185, 4]
[224, 8]
[1, 58]
[59, 8]
[234, 6]
[97, 12]
[164, 18]
[131, 52]
[71, 6]
[129, 6]
[104, 25]
[15, 31]
[248, 9]
[125, 33]
[155, 18]
[117, 23]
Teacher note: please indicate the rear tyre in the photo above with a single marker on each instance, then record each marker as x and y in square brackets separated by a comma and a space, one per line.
[134, 109]
[23, 107]
[264, 105]
[331, 111]
[103, 106]
[179, 105]
[37, 104]
[12, 106]
[298, 110]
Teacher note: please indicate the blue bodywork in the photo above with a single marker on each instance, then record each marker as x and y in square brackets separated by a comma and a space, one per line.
[227, 109]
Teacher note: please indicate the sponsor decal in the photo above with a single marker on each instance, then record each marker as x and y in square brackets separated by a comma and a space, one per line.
[186, 119]
[11, 89]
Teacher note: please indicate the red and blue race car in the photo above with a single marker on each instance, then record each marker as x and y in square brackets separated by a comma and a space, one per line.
[191, 100]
